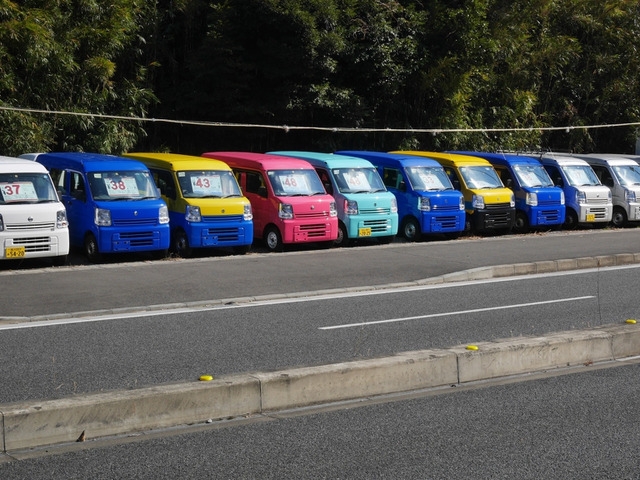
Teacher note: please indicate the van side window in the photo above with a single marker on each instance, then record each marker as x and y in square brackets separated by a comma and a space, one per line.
[76, 187]
[165, 182]
[324, 178]
[390, 177]
[506, 177]
[603, 175]
[57, 175]
[555, 175]
[453, 177]
[255, 183]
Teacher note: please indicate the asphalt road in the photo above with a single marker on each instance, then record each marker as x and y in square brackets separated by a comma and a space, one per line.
[578, 426]
[54, 359]
[138, 283]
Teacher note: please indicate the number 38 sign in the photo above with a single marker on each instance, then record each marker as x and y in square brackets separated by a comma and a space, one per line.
[121, 186]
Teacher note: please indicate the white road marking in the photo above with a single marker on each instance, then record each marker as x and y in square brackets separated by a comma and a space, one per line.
[446, 314]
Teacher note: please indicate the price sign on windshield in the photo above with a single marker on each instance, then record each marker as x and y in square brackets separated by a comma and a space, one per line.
[18, 191]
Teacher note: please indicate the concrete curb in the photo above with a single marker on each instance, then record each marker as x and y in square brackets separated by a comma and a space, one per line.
[38, 424]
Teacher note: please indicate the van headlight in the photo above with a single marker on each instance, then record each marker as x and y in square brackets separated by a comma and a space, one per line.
[350, 207]
[532, 199]
[163, 215]
[581, 197]
[333, 211]
[477, 201]
[461, 203]
[248, 213]
[1, 224]
[629, 196]
[424, 205]
[61, 219]
[512, 203]
[285, 211]
[394, 205]
[561, 197]
[192, 214]
[102, 217]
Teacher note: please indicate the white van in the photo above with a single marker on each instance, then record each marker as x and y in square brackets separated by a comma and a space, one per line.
[622, 175]
[33, 221]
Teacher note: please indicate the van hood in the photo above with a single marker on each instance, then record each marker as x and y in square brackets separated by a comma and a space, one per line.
[30, 216]
[132, 210]
[219, 206]
[494, 195]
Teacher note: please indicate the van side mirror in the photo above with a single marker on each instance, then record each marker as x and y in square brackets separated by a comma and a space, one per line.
[262, 191]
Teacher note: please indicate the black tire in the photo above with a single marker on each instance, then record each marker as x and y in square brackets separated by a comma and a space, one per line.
[273, 239]
[343, 239]
[521, 224]
[160, 254]
[60, 260]
[91, 249]
[411, 229]
[570, 220]
[180, 244]
[619, 218]
[241, 249]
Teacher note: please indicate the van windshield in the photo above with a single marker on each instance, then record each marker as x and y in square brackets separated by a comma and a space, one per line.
[290, 183]
[358, 180]
[580, 175]
[481, 177]
[122, 185]
[627, 175]
[428, 178]
[532, 176]
[208, 184]
[26, 188]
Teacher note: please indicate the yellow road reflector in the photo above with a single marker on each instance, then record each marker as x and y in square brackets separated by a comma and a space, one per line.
[472, 347]
[630, 321]
[206, 378]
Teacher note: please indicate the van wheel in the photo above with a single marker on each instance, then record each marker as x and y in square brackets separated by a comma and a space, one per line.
[570, 220]
[521, 224]
[343, 239]
[181, 244]
[60, 260]
[619, 218]
[91, 249]
[273, 240]
[411, 229]
[159, 254]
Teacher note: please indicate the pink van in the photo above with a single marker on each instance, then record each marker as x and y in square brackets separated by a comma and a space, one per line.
[289, 202]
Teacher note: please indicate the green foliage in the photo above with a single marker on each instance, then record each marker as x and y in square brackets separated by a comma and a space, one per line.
[70, 56]
[476, 66]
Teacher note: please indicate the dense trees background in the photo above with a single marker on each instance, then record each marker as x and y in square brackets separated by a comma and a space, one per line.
[328, 64]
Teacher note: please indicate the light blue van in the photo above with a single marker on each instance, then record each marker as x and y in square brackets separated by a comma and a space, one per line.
[112, 203]
[427, 201]
[539, 203]
[365, 208]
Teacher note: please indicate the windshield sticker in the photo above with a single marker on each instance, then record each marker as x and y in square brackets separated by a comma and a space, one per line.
[206, 184]
[121, 186]
[18, 191]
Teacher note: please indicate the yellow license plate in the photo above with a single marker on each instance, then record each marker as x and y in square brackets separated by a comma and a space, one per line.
[14, 252]
[364, 232]
[591, 217]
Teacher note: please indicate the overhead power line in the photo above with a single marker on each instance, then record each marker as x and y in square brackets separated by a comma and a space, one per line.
[288, 128]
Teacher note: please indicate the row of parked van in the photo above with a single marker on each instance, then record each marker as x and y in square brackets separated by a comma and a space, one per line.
[160, 201]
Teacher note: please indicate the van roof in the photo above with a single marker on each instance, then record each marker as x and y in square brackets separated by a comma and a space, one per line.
[447, 158]
[608, 159]
[16, 165]
[499, 158]
[562, 159]
[328, 160]
[391, 158]
[261, 161]
[90, 162]
[177, 161]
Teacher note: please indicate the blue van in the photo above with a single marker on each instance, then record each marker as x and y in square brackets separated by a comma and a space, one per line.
[365, 208]
[427, 201]
[539, 203]
[112, 203]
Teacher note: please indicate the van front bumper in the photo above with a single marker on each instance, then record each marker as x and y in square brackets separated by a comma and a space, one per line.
[134, 240]
[492, 219]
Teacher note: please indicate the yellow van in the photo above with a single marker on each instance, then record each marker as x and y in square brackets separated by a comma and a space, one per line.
[206, 207]
[489, 205]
